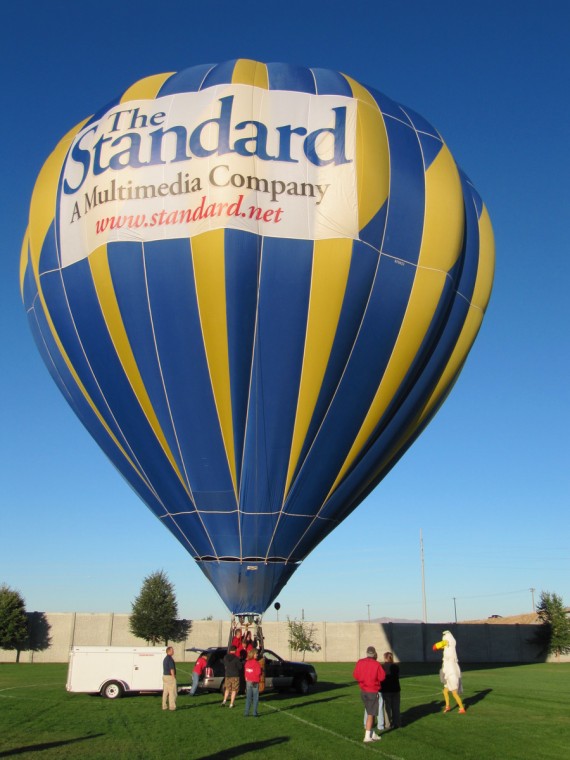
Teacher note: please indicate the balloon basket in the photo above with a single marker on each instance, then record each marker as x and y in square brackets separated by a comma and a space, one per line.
[246, 628]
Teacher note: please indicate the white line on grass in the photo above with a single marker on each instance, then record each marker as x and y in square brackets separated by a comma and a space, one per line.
[27, 686]
[30, 686]
[368, 746]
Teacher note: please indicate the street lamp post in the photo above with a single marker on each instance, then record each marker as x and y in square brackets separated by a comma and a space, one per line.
[455, 609]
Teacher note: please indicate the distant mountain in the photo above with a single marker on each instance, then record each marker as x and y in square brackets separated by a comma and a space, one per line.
[384, 620]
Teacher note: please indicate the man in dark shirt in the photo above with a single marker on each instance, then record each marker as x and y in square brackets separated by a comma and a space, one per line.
[233, 667]
[169, 689]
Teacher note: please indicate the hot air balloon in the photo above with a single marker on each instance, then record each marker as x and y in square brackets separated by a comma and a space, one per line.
[255, 284]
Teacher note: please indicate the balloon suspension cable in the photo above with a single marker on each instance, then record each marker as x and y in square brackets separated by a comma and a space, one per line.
[246, 627]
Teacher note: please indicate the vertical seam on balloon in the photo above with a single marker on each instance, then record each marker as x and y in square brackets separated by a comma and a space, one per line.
[159, 364]
[258, 233]
[159, 434]
[229, 439]
[248, 409]
[166, 397]
[240, 513]
[198, 511]
[289, 477]
[284, 495]
[206, 75]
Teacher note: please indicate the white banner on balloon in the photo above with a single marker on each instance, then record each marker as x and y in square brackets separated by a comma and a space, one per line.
[275, 163]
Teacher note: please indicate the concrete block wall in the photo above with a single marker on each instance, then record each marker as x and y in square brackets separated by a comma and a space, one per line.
[339, 642]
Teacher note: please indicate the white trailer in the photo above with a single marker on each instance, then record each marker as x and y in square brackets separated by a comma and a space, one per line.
[114, 671]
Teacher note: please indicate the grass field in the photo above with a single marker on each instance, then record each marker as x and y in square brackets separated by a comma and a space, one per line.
[513, 713]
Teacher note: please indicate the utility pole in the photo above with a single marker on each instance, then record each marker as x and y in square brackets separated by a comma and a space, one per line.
[532, 590]
[424, 606]
[455, 609]
[368, 612]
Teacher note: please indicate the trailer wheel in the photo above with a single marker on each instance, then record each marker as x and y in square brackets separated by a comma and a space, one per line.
[112, 690]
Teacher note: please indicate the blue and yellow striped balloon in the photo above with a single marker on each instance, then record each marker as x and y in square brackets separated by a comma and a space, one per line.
[255, 284]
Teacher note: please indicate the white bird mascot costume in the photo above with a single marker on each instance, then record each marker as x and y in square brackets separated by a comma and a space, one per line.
[450, 673]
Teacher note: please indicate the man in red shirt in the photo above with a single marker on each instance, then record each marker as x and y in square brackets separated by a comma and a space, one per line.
[252, 671]
[197, 672]
[369, 674]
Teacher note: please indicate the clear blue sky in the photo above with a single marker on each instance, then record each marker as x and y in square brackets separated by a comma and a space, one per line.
[489, 480]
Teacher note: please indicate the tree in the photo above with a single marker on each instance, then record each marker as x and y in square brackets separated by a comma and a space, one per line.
[302, 637]
[553, 636]
[13, 620]
[154, 615]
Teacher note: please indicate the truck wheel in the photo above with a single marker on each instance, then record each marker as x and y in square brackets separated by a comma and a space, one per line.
[301, 685]
[222, 686]
[112, 690]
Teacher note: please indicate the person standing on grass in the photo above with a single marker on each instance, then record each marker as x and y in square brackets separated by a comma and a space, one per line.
[232, 668]
[380, 723]
[391, 691]
[369, 674]
[197, 672]
[169, 688]
[252, 671]
[450, 673]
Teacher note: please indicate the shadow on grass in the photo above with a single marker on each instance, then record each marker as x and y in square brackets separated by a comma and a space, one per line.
[420, 711]
[476, 697]
[330, 686]
[436, 706]
[243, 749]
[46, 745]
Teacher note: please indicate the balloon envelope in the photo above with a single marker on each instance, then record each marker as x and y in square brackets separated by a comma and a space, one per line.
[255, 284]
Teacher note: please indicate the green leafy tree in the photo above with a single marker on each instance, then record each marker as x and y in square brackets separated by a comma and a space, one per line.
[553, 637]
[13, 620]
[154, 615]
[302, 637]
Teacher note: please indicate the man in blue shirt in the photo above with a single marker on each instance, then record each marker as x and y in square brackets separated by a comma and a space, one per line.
[169, 689]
